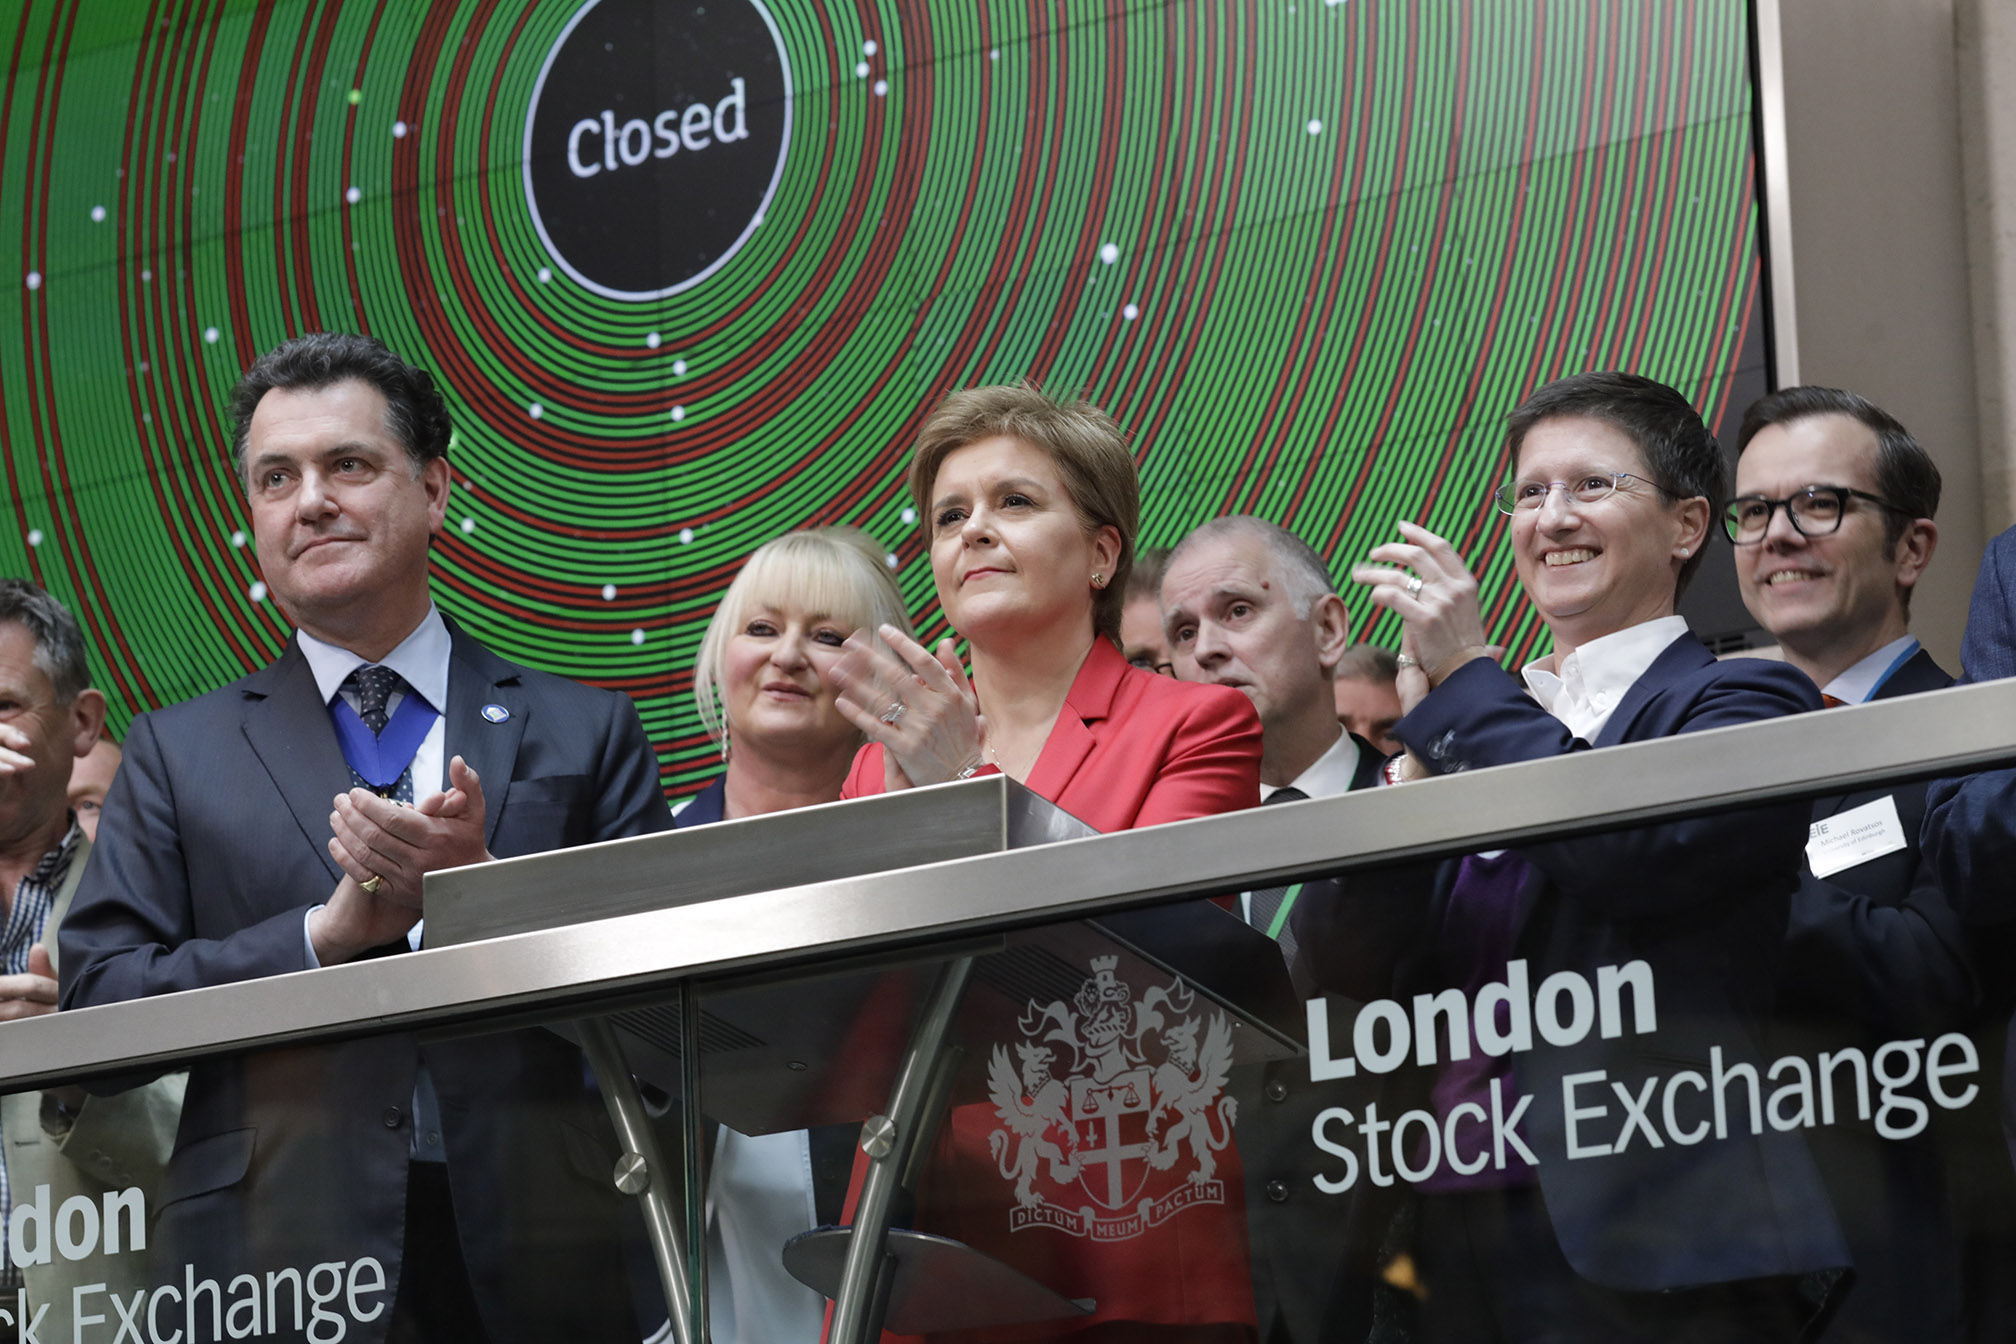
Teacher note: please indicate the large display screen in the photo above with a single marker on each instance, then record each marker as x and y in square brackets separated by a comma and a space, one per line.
[693, 273]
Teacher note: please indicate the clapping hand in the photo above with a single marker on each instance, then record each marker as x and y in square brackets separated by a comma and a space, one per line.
[917, 704]
[1437, 602]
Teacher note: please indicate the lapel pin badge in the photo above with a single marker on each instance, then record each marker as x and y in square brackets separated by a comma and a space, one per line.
[495, 712]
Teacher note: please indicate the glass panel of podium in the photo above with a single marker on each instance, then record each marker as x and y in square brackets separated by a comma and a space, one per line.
[1516, 1056]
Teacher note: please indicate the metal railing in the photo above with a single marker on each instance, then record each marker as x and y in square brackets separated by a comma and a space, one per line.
[572, 967]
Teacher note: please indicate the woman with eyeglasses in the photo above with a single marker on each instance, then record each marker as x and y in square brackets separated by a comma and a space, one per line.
[1615, 487]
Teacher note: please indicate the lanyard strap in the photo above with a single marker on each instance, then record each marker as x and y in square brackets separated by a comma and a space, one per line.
[380, 760]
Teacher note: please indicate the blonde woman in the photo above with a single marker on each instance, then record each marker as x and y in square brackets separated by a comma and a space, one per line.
[761, 683]
[764, 696]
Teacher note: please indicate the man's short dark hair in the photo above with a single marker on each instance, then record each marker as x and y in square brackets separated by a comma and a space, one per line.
[1145, 579]
[59, 644]
[1678, 449]
[415, 414]
[1369, 662]
[1906, 475]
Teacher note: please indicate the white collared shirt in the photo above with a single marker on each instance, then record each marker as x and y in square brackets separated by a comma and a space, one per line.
[422, 659]
[1594, 678]
[1328, 775]
[1863, 680]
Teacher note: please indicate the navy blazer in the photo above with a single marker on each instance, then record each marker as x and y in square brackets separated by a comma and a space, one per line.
[1879, 944]
[213, 849]
[1703, 901]
[1873, 953]
[708, 806]
[1988, 650]
[1969, 836]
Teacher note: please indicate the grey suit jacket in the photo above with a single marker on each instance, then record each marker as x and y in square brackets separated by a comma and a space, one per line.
[214, 848]
[116, 1143]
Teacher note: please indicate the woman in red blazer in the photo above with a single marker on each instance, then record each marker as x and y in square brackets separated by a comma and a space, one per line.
[1031, 508]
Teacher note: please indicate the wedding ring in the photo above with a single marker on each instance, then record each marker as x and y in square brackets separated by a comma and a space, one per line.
[894, 713]
[372, 884]
[1414, 586]
[1407, 660]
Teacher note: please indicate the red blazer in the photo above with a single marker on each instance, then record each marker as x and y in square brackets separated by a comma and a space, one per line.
[1129, 749]
[1133, 749]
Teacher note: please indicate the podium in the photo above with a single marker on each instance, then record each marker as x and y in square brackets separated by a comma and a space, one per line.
[884, 1039]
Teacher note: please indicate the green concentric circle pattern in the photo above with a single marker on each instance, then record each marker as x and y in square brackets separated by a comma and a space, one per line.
[1307, 252]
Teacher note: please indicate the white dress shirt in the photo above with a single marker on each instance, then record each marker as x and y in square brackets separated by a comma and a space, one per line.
[1863, 680]
[1328, 775]
[422, 659]
[1594, 678]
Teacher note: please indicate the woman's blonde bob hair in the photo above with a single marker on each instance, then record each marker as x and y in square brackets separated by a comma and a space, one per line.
[1090, 451]
[838, 572]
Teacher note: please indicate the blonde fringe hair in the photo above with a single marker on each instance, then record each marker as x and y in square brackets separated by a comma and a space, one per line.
[837, 572]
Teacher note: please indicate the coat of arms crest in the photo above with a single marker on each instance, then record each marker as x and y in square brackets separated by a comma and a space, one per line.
[1129, 1126]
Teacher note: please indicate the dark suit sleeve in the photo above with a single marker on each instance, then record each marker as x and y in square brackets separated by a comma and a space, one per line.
[1968, 848]
[132, 930]
[630, 800]
[1479, 716]
[1988, 650]
[1902, 969]
[1969, 844]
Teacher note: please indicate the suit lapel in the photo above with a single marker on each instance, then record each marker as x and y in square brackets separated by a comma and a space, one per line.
[476, 679]
[1071, 740]
[1370, 764]
[1685, 654]
[1069, 744]
[287, 725]
[1918, 675]
[59, 905]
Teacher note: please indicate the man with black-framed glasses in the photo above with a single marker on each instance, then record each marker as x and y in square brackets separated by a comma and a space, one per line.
[1832, 523]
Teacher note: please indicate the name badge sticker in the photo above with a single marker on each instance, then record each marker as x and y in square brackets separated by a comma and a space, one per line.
[1855, 836]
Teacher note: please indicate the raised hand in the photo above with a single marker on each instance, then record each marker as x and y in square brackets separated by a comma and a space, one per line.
[917, 704]
[1438, 603]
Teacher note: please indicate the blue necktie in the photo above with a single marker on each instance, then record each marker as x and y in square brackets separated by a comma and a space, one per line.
[373, 687]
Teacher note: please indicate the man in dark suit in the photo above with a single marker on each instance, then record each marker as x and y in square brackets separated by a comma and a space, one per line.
[1833, 527]
[264, 828]
[1248, 604]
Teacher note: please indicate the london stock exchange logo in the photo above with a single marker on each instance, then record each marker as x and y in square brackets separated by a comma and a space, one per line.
[655, 141]
[1114, 1112]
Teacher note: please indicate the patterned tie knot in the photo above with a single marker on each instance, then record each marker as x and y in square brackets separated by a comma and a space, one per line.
[373, 686]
